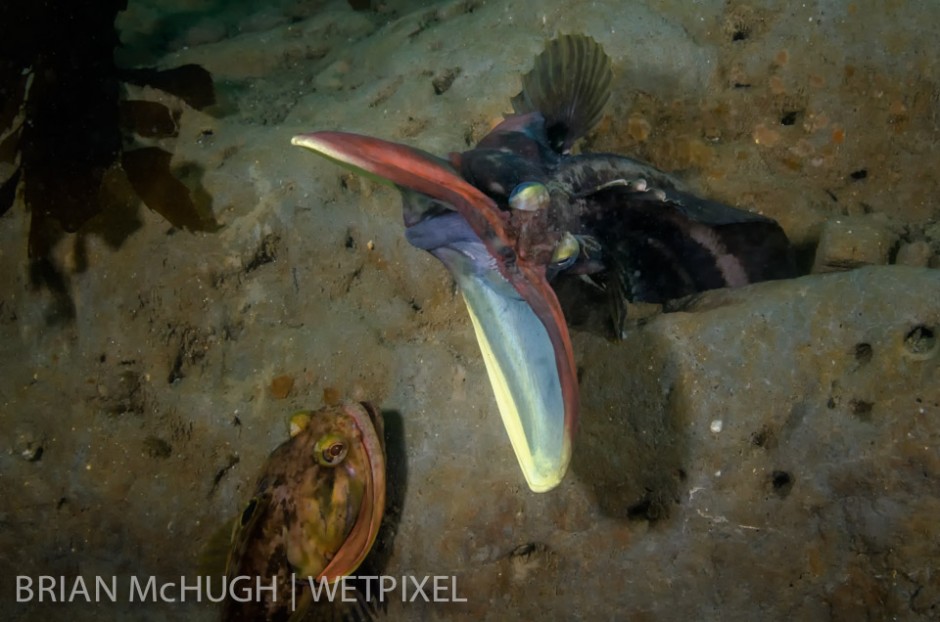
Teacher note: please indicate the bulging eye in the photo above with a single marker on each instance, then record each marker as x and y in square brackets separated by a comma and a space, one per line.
[330, 450]
[566, 252]
[530, 196]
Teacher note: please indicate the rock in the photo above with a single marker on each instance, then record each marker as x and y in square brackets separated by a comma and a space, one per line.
[763, 453]
[915, 254]
[852, 242]
[29, 446]
[827, 390]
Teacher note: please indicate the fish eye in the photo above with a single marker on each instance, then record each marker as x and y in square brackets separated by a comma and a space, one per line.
[530, 196]
[566, 253]
[330, 450]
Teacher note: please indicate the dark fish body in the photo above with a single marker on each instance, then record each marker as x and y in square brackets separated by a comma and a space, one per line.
[650, 240]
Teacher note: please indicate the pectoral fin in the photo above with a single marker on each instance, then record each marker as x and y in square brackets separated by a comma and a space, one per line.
[522, 364]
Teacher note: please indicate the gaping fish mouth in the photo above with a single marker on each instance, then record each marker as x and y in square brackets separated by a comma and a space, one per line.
[518, 322]
[364, 531]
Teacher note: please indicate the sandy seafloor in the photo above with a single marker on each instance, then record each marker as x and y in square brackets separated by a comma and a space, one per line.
[773, 454]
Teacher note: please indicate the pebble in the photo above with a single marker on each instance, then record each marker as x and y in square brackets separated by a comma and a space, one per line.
[916, 254]
[852, 242]
[28, 447]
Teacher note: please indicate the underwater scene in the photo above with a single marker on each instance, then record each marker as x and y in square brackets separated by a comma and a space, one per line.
[469, 310]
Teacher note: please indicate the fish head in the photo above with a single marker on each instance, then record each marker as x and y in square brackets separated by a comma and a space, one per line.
[516, 316]
[319, 500]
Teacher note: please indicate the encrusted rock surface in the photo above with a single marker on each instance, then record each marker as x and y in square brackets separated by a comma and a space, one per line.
[766, 453]
[853, 242]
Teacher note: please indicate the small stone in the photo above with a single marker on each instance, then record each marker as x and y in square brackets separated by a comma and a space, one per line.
[852, 242]
[281, 387]
[916, 254]
[28, 447]
[444, 80]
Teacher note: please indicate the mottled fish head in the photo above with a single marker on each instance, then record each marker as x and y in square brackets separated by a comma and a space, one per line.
[317, 505]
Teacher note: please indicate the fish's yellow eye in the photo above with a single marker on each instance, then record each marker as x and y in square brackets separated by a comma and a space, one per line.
[330, 450]
[567, 251]
[530, 196]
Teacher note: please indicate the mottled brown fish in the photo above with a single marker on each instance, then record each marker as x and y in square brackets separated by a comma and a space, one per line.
[314, 513]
